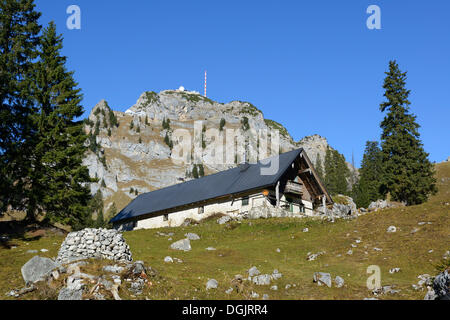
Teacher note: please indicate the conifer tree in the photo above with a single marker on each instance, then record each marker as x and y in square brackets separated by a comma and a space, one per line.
[336, 173]
[19, 39]
[408, 175]
[58, 181]
[367, 189]
[195, 172]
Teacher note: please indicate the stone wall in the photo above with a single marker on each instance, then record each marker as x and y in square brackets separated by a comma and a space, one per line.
[94, 243]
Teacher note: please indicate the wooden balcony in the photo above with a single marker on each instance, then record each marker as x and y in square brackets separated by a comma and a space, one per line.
[293, 187]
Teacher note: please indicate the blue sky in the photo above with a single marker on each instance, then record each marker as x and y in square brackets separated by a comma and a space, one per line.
[313, 66]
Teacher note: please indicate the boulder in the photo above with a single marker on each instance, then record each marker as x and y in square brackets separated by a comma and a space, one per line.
[262, 280]
[253, 271]
[322, 278]
[68, 294]
[339, 282]
[441, 286]
[212, 284]
[192, 236]
[224, 220]
[38, 269]
[182, 245]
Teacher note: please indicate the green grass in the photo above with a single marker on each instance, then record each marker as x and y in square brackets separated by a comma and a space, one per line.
[254, 243]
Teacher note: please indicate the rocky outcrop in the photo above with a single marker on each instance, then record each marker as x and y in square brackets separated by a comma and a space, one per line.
[94, 243]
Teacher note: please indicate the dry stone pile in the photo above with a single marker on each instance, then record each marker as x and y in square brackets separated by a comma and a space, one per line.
[94, 243]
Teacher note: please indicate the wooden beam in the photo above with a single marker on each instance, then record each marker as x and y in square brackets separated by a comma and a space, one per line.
[305, 171]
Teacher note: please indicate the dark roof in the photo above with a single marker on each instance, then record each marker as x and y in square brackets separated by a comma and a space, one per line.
[237, 180]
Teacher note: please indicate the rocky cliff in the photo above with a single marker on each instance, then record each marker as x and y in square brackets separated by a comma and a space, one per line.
[130, 152]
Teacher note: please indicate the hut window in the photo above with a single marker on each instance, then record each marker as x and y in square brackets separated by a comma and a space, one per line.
[245, 201]
[302, 208]
[166, 217]
[201, 210]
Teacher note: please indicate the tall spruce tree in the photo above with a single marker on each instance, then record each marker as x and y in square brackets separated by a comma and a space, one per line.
[367, 189]
[59, 180]
[408, 175]
[19, 39]
[336, 172]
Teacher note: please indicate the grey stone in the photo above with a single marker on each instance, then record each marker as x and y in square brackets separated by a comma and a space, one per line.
[182, 245]
[192, 236]
[392, 229]
[229, 291]
[253, 271]
[339, 282]
[265, 296]
[224, 220]
[394, 270]
[113, 269]
[212, 284]
[211, 249]
[168, 260]
[322, 278]
[262, 280]
[274, 288]
[276, 275]
[68, 294]
[441, 285]
[37, 269]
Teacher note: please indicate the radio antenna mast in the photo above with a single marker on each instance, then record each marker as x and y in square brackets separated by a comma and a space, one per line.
[206, 74]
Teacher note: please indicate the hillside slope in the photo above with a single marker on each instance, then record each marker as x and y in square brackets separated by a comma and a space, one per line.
[421, 240]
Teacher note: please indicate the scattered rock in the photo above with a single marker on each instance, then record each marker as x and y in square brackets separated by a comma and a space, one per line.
[339, 282]
[32, 251]
[192, 236]
[394, 270]
[182, 245]
[265, 296]
[224, 220]
[211, 249]
[168, 260]
[254, 295]
[37, 269]
[276, 275]
[391, 229]
[274, 288]
[262, 280]
[212, 284]
[113, 269]
[350, 252]
[229, 291]
[314, 256]
[278, 250]
[322, 279]
[68, 294]
[253, 271]
[305, 230]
